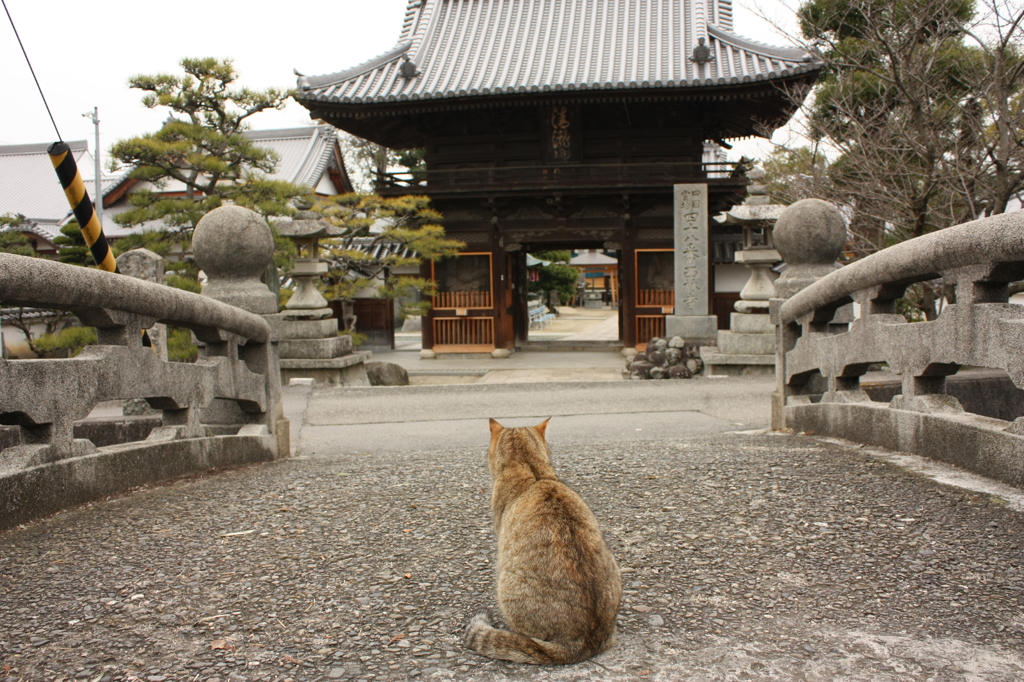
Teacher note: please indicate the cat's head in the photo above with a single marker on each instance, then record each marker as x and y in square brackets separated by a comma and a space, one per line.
[515, 438]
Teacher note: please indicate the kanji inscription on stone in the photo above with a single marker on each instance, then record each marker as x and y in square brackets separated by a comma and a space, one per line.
[691, 249]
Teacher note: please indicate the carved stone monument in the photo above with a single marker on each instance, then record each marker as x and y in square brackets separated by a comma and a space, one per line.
[691, 320]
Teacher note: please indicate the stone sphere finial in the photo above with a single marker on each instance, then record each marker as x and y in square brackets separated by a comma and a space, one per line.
[811, 232]
[234, 246]
[809, 235]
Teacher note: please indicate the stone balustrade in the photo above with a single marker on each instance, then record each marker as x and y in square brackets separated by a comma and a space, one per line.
[823, 351]
[223, 410]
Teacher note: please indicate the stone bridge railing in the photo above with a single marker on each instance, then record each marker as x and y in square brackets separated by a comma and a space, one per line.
[223, 410]
[974, 419]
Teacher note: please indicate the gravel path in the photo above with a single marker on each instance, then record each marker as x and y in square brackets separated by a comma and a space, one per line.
[745, 557]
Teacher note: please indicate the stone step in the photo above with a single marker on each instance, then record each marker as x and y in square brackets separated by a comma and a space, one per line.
[573, 346]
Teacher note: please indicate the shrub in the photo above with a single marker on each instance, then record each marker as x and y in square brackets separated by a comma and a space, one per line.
[561, 278]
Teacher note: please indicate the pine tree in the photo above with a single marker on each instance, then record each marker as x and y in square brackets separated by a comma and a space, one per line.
[201, 151]
[370, 220]
[11, 240]
[73, 248]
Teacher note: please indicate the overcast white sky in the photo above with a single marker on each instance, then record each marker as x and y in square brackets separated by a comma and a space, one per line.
[84, 52]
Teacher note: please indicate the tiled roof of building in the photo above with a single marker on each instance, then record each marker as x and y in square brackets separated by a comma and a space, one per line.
[468, 48]
[29, 226]
[379, 250]
[305, 153]
[592, 258]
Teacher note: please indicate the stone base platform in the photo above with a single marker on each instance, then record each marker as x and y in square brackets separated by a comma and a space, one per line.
[722, 364]
[347, 370]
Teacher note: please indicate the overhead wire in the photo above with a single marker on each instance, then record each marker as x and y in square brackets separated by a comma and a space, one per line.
[29, 62]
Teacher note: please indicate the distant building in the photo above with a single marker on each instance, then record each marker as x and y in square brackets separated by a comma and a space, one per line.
[310, 156]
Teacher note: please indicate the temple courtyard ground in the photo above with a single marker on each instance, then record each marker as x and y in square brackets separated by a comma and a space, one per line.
[746, 555]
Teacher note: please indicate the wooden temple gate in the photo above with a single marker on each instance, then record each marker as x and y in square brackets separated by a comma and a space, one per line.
[571, 137]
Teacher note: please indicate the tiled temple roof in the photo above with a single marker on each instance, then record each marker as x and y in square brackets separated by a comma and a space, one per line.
[469, 48]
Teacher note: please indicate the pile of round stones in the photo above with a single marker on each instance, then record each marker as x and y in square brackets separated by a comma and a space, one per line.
[666, 359]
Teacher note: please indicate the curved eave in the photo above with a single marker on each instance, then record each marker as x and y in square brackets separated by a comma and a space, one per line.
[597, 91]
[392, 123]
[720, 88]
[383, 61]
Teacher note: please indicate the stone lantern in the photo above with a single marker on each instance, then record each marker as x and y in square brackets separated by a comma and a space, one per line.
[748, 347]
[310, 345]
[756, 216]
[306, 230]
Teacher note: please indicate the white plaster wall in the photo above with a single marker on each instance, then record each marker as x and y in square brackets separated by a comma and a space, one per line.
[326, 187]
[15, 343]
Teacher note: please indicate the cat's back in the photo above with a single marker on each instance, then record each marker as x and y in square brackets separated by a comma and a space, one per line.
[551, 530]
[540, 515]
[550, 508]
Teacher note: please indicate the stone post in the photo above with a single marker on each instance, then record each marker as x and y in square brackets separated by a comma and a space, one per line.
[144, 264]
[810, 236]
[233, 246]
[691, 320]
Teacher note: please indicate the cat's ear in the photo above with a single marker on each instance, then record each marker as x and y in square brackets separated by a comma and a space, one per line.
[496, 428]
[542, 428]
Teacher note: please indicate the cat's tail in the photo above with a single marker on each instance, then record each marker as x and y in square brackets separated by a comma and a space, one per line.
[488, 641]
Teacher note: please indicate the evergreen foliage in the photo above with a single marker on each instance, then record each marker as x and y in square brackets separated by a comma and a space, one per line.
[180, 347]
[67, 342]
[201, 146]
[558, 276]
[370, 220]
[72, 247]
[563, 256]
[12, 241]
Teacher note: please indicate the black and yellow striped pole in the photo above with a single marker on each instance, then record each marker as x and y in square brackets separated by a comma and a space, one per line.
[74, 188]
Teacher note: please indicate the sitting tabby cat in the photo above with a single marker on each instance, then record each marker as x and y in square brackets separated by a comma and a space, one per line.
[558, 585]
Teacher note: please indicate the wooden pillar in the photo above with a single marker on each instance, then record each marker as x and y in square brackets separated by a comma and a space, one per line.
[427, 329]
[501, 285]
[627, 289]
[520, 291]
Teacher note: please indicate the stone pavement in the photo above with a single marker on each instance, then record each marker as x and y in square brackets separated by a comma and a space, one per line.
[573, 324]
[745, 555]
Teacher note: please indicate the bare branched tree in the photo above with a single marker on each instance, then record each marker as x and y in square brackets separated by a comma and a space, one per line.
[368, 160]
[916, 122]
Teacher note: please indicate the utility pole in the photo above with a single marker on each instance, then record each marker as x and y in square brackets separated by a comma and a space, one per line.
[97, 201]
